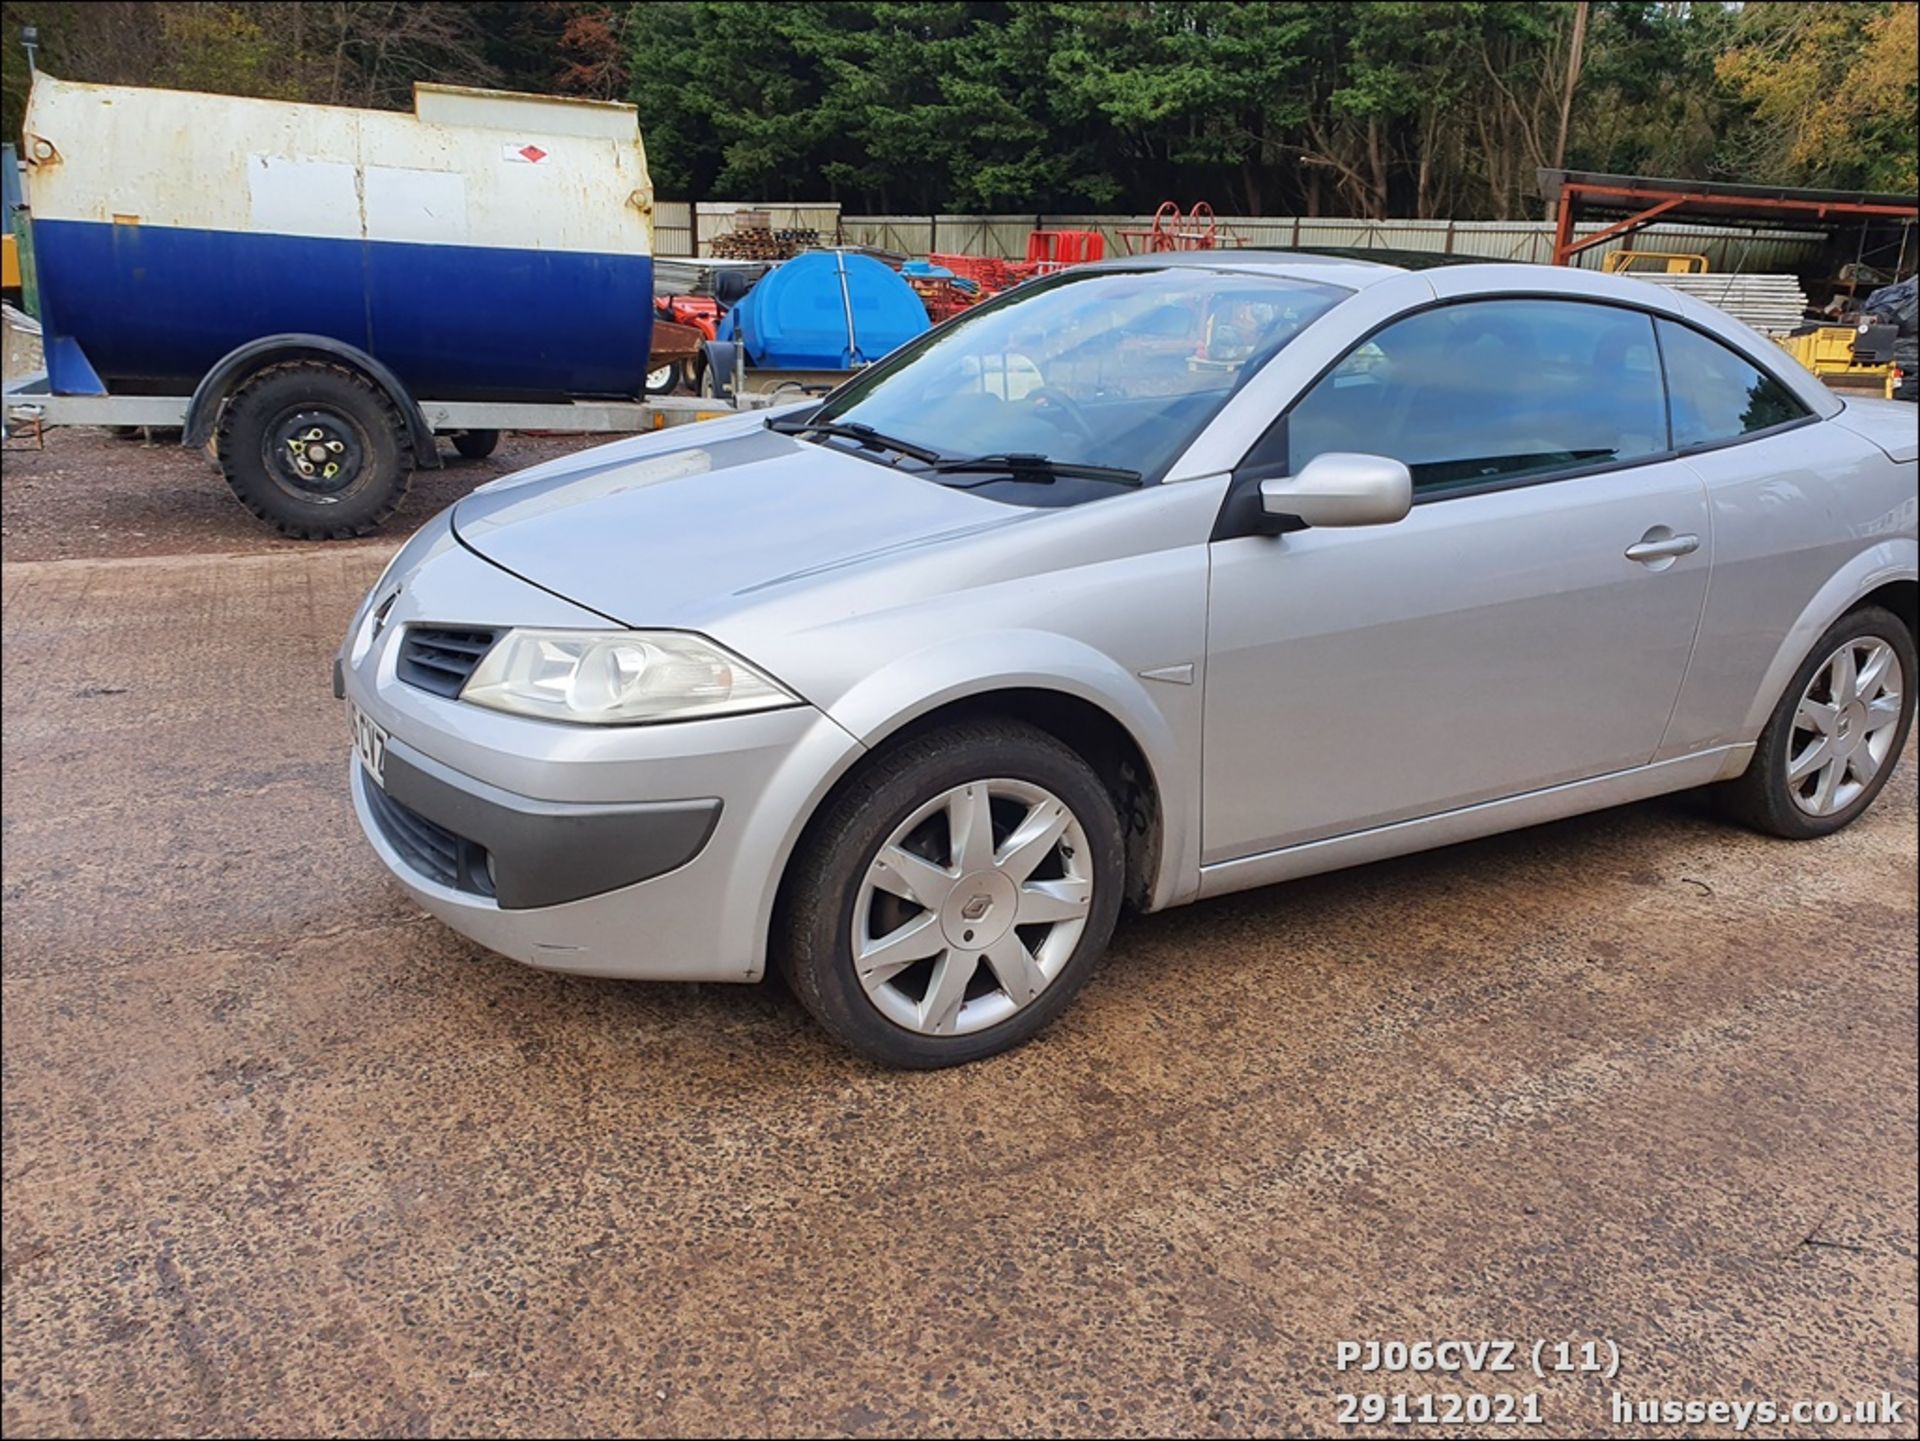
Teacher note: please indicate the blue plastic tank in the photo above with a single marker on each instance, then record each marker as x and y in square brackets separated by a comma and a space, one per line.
[826, 310]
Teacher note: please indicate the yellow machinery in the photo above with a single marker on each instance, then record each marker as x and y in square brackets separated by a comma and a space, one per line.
[9, 265]
[1830, 352]
[1670, 262]
[1854, 356]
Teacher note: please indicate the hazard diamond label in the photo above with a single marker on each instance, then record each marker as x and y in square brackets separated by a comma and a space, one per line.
[523, 154]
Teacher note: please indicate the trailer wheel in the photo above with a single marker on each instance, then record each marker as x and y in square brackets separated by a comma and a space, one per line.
[476, 444]
[664, 379]
[314, 449]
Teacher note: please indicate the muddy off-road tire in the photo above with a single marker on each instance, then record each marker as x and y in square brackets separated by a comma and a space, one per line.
[314, 449]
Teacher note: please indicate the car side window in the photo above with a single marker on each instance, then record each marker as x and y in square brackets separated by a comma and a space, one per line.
[1717, 394]
[1491, 390]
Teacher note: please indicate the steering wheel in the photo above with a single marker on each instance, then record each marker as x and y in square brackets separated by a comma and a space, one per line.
[1056, 405]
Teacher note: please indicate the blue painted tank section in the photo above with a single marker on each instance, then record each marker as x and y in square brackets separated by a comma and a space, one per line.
[158, 306]
[797, 317]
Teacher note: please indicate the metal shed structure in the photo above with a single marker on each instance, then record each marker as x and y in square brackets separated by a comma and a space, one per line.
[1639, 201]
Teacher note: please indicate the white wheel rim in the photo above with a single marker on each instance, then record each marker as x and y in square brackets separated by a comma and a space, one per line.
[1844, 725]
[972, 907]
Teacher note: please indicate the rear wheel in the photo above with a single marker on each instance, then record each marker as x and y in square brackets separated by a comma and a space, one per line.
[1837, 733]
[315, 449]
[954, 896]
[476, 444]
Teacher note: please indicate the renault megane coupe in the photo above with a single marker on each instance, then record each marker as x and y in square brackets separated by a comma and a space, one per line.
[1142, 583]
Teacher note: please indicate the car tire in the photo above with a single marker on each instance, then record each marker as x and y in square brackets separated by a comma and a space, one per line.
[1026, 778]
[476, 444]
[1771, 796]
[352, 421]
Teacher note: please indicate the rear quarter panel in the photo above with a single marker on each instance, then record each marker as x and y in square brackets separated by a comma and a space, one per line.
[1804, 524]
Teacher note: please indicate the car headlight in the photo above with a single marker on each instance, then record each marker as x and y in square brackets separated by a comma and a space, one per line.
[622, 677]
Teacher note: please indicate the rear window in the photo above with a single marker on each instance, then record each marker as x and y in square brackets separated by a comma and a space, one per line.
[1717, 394]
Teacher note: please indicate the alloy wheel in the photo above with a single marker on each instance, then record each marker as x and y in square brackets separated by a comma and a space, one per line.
[972, 907]
[1844, 726]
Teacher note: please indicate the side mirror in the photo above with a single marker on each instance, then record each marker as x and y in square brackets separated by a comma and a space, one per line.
[1342, 488]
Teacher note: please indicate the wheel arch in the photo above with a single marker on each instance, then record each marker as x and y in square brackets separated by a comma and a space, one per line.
[1902, 597]
[1885, 573]
[241, 363]
[1091, 728]
[1091, 732]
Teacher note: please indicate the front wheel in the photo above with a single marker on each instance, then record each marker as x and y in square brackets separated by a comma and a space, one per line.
[1836, 734]
[954, 896]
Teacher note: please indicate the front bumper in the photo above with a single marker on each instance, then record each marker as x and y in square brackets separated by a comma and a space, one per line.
[649, 852]
[524, 853]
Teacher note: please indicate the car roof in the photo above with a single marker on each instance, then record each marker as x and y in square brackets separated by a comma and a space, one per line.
[1389, 256]
[1353, 266]
[1321, 267]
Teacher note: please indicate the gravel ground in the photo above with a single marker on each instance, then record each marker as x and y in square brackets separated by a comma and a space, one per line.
[90, 494]
[283, 1156]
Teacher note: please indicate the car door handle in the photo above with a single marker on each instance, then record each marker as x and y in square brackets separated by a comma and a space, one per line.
[1662, 545]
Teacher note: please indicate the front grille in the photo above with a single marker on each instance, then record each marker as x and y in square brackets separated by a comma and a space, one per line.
[440, 660]
[433, 850]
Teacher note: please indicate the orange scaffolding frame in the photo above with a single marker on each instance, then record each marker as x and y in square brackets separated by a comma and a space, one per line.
[1641, 200]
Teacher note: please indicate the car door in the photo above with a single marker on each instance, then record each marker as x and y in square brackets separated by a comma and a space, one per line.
[1527, 624]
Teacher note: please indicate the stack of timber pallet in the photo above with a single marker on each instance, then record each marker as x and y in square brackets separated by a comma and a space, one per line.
[755, 242]
[1771, 304]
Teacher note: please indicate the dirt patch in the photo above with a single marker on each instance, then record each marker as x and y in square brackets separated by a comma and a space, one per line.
[94, 494]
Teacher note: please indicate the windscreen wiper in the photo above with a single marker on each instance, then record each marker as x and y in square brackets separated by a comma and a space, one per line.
[853, 430]
[1025, 466]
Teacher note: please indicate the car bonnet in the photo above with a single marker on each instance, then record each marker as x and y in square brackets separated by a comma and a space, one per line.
[670, 535]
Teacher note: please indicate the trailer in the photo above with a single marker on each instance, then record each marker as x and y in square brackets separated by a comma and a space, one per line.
[318, 295]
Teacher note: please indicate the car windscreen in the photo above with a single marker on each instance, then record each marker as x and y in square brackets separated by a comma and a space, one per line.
[1107, 368]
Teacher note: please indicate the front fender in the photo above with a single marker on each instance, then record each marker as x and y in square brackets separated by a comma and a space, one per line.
[1896, 558]
[980, 664]
[203, 410]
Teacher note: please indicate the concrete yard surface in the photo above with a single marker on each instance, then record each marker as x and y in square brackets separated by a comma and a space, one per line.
[282, 1155]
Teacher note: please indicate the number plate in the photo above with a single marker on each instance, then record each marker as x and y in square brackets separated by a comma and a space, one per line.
[369, 743]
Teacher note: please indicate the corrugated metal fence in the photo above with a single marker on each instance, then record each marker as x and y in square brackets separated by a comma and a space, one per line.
[672, 227]
[1726, 247]
[673, 222]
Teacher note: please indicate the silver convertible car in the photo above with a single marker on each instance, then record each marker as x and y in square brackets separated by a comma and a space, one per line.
[1143, 583]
